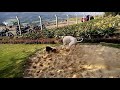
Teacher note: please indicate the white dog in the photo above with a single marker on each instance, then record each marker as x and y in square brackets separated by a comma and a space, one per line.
[70, 40]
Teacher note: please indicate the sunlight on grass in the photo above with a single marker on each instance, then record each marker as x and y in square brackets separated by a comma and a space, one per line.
[13, 56]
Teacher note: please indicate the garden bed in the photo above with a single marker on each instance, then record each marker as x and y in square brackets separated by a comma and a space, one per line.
[98, 40]
[29, 41]
[84, 61]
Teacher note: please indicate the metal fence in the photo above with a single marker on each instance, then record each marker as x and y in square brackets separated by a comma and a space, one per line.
[58, 21]
[53, 22]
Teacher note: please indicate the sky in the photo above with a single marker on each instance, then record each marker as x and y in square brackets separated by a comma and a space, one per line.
[34, 15]
[71, 13]
[86, 13]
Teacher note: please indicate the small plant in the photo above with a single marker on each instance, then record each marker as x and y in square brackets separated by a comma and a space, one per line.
[33, 35]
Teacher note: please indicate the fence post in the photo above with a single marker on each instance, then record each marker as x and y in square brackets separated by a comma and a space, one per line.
[103, 16]
[76, 19]
[6, 33]
[18, 24]
[56, 20]
[89, 17]
[40, 22]
[67, 20]
[83, 17]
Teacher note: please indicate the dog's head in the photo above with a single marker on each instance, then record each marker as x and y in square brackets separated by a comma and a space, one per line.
[48, 49]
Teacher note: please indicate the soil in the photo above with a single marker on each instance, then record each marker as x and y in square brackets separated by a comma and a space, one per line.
[82, 61]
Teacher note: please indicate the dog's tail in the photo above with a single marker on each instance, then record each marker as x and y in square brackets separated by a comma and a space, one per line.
[80, 40]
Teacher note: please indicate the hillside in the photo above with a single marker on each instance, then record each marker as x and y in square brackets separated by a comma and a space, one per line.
[99, 26]
[32, 16]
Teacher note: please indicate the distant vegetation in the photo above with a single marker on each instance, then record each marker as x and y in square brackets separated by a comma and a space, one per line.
[112, 13]
[105, 25]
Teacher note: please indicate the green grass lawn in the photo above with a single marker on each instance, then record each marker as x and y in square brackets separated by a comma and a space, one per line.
[111, 45]
[13, 57]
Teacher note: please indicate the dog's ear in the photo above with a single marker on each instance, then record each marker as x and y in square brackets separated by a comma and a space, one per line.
[54, 50]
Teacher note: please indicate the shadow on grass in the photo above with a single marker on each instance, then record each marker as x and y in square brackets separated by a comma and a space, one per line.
[111, 45]
[13, 69]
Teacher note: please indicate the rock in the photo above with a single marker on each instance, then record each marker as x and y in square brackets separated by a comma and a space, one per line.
[34, 58]
[37, 71]
[36, 61]
[111, 77]
[39, 55]
[84, 74]
[59, 71]
[38, 64]
[70, 68]
[34, 64]
[29, 73]
[67, 49]
[41, 65]
[44, 57]
[118, 24]
[74, 76]
[34, 67]
[49, 58]
[35, 75]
